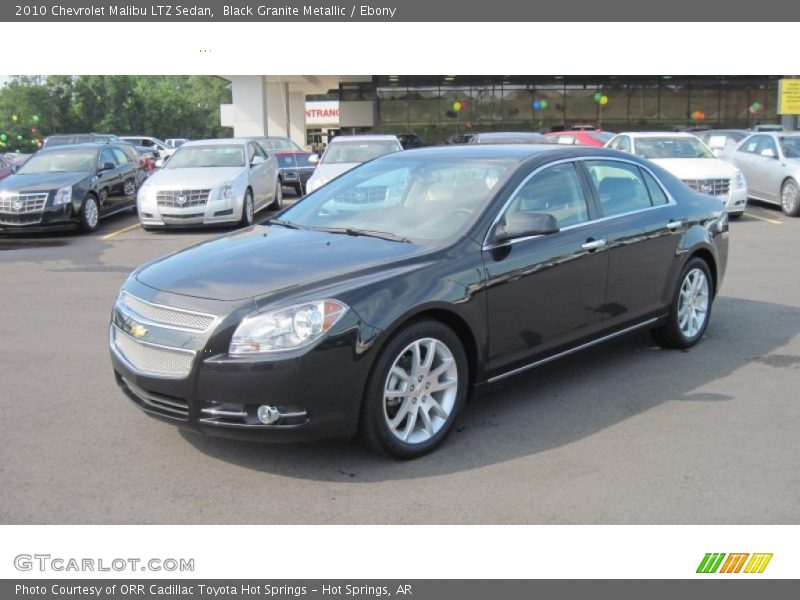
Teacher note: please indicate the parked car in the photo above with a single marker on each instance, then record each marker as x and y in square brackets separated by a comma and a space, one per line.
[722, 141]
[768, 127]
[295, 165]
[458, 138]
[410, 140]
[175, 142]
[348, 151]
[508, 137]
[580, 137]
[771, 164]
[64, 187]
[211, 182]
[160, 149]
[689, 159]
[68, 139]
[491, 261]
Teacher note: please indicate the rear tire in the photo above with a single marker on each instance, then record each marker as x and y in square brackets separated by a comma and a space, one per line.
[690, 308]
[790, 198]
[90, 214]
[415, 391]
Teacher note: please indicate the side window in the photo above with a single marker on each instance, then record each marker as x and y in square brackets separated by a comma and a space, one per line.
[121, 157]
[625, 144]
[619, 186]
[657, 195]
[766, 146]
[557, 191]
[565, 139]
[251, 152]
[260, 151]
[106, 156]
[751, 144]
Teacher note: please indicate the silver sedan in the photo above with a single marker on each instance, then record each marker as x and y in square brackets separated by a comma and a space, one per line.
[211, 182]
[771, 165]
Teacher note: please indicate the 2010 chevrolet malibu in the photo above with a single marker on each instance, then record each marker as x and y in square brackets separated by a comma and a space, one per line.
[448, 268]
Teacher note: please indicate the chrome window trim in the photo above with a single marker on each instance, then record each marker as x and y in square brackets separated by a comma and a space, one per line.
[671, 201]
[114, 330]
[126, 310]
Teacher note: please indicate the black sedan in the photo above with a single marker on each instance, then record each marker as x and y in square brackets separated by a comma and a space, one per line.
[65, 187]
[462, 266]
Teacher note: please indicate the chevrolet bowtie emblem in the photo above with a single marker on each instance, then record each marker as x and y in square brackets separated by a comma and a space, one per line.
[138, 331]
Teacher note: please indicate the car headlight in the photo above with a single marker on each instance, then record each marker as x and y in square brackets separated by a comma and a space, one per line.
[226, 190]
[739, 180]
[63, 196]
[286, 328]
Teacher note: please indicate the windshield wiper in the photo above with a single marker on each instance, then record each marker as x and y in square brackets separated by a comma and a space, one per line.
[381, 235]
[283, 223]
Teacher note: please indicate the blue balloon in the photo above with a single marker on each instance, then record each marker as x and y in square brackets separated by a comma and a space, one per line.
[537, 105]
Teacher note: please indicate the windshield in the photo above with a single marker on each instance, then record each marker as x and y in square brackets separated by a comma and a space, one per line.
[601, 136]
[358, 151]
[192, 157]
[672, 147]
[60, 162]
[406, 198]
[791, 146]
[279, 144]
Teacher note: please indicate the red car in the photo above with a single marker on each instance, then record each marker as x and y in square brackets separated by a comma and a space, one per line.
[581, 137]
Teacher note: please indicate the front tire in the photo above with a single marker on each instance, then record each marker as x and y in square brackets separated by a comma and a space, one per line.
[89, 215]
[415, 392]
[277, 202]
[248, 210]
[690, 309]
[790, 198]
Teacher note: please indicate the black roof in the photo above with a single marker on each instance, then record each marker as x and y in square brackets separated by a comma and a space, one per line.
[519, 152]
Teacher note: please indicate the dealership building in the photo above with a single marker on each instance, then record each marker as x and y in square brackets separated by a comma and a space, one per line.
[436, 107]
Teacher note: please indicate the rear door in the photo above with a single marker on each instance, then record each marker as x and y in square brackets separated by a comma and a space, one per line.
[547, 291]
[643, 232]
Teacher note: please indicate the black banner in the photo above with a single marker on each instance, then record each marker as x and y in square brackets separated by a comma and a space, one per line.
[400, 10]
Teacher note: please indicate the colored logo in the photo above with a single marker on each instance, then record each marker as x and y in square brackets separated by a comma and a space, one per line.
[138, 331]
[719, 562]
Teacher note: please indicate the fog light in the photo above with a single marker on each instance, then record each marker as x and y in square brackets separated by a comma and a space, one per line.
[268, 414]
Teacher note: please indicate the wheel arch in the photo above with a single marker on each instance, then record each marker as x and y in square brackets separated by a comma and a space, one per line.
[707, 257]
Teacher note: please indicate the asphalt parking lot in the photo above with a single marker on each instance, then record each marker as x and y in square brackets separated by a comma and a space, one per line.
[623, 433]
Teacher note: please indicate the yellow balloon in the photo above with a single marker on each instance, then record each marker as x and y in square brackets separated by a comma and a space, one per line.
[457, 106]
[604, 100]
[14, 118]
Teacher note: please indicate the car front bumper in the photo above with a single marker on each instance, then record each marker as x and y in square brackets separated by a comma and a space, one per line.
[314, 394]
[214, 211]
[51, 218]
[736, 201]
[296, 176]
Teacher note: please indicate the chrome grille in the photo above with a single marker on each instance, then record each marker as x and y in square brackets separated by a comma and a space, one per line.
[166, 316]
[714, 187]
[153, 360]
[22, 204]
[182, 198]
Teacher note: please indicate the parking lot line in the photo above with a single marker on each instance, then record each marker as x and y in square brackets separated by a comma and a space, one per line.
[119, 231]
[773, 221]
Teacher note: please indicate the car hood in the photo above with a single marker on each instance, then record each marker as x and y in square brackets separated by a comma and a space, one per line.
[261, 260]
[199, 178]
[41, 182]
[328, 172]
[696, 168]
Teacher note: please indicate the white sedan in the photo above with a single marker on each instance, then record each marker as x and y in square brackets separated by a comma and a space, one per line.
[348, 151]
[210, 182]
[691, 161]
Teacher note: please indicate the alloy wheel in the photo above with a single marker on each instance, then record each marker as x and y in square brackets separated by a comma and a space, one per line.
[420, 391]
[92, 213]
[789, 197]
[693, 303]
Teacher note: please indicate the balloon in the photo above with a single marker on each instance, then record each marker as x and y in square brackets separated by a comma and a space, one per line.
[457, 106]
[604, 100]
[33, 130]
[536, 105]
[3, 137]
[597, 96]
[14, 118]
[35, 118]
[19, 137]
[544, 104]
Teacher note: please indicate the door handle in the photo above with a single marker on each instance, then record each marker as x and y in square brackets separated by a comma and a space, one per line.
[592, 244]
[673, 225]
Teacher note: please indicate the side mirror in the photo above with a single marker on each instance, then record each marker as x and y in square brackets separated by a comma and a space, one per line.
[107, 166]
[525, 224]
[768, 152]
[313, 159]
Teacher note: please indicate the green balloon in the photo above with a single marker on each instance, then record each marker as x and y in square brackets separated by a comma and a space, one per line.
[597, 96]
[35, 118]
[756, 105]
[19, 137]
[3, 137]
[543, 104]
